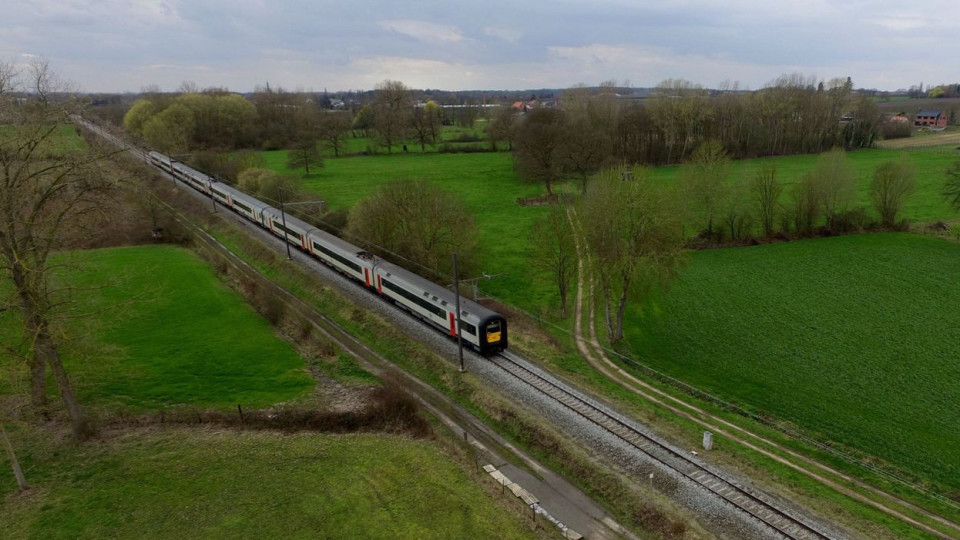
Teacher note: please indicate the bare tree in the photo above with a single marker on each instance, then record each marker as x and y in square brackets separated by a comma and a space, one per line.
[554, 251]
[502, 128]
[304, 154]
[634, 233]
[390, 111]
[892, 184]
[425, 124]
[766, 191]
[951, 189]
[837, 185]
[46, 188]
[417, 221]
[805, 196]
[333, 128]
[537, 152]
[705, 178]
[584, 147]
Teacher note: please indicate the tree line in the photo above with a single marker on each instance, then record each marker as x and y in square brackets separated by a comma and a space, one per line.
[593, 127]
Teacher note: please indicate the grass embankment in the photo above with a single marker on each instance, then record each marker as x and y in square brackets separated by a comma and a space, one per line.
[162, 331]
[851, 339]
[180, 483]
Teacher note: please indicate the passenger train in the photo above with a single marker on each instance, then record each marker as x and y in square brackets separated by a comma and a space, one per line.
[482, 329]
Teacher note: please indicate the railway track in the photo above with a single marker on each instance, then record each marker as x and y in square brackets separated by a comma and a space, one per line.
[683, 465]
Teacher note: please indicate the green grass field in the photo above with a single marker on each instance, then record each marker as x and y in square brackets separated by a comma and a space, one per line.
[839, 322]
[487, 185]
[159, 329]
[182, 483]
[155, 328]
[853, 339]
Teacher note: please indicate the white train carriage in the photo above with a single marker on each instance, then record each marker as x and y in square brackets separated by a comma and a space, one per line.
[244, 204]
[195, 179]
[482, 329]
[342, 255]
[295, 229]
[161, 161]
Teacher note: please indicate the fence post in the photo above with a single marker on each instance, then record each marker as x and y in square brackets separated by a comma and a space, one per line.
[240, 411]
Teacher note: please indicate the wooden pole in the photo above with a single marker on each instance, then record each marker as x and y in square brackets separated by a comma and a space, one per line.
[456, 292]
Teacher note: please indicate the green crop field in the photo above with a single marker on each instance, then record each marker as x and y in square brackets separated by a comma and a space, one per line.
[926, 204]
[183, 483]
[156, 329]
[853, 339]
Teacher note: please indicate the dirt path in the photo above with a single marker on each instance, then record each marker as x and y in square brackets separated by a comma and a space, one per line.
[589, 346]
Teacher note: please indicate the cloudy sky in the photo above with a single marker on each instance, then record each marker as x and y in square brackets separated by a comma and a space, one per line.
[125, 45]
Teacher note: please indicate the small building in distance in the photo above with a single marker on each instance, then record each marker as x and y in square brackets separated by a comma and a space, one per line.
[930, 118]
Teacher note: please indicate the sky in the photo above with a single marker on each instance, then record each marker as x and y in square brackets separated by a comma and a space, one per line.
[316, 45]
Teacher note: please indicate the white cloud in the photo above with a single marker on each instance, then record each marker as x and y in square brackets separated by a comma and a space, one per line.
[901, 23]
[422, 30]
[506, 34]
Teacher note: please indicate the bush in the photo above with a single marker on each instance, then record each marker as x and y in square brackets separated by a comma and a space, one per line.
[447, 148]
[850, 221]
[896, 130]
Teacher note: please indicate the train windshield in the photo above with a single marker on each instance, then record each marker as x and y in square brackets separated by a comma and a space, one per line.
[493, 331]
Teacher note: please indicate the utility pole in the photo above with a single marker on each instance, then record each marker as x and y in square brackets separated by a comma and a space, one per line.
[283, 217]
[456, 293]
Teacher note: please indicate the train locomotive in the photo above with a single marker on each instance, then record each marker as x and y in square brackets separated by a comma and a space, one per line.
[482, 329]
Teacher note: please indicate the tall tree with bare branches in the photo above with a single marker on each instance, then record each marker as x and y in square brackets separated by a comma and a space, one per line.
[48, 184]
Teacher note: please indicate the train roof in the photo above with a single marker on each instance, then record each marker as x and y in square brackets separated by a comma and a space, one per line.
[467, 307]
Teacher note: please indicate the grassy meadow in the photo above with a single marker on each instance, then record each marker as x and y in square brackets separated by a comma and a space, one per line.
[153, 327]
[486, 184]
[202, 483]
[157, 329]
[853, 339]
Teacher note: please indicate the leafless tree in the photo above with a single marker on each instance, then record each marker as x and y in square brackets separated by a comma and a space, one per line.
[333, 129]
[951, 189]
[706, 180]
[538, 144]
[893, 183]
[634, 233]
[502, 127]
[417, 221]
[48, 185]
[390, 111]
[305, 154]
[766, 192]
[554, 250]
[837, 185]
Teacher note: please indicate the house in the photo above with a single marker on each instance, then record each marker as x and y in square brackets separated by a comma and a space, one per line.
[933, 119]
[900, 118]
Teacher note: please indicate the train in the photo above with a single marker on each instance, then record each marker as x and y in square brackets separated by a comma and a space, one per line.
[482, 329]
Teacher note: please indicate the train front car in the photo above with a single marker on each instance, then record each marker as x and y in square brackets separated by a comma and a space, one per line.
[493, 334]
[482, 329]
